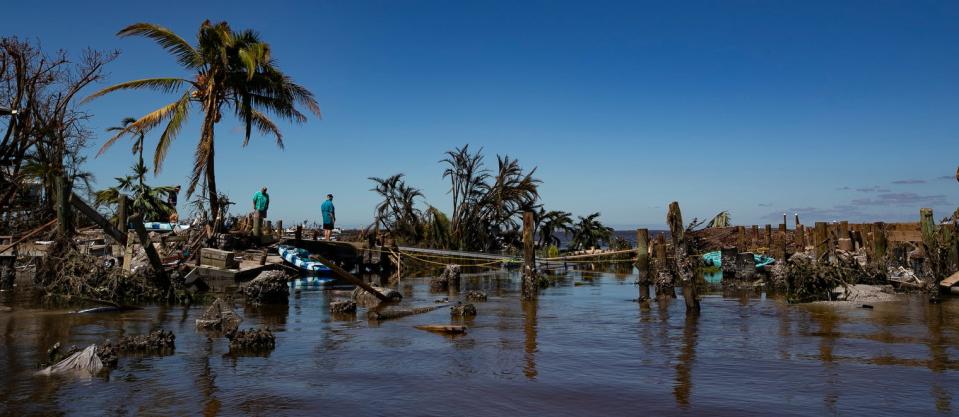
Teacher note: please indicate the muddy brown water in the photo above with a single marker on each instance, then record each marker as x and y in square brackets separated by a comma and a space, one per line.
[579, 350]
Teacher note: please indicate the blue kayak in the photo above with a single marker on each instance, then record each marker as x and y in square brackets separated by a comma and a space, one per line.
[715, 259]
[300, 258]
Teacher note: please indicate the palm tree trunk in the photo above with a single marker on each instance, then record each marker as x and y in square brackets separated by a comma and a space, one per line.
[211, 182]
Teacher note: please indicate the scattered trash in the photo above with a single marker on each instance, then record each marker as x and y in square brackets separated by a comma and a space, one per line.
[84, 363]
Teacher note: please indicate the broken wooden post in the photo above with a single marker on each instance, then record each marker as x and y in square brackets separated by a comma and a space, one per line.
[755, 237]
[686, 265]
[797, 221]
[741, 232]
[800, 238]
[529, 258]
[745, 265]
[101, 221]
[927, 225]
[122, 215]
[152, 255]
[843, 229]
[783, 247]
[879, 244]
[279, 229]
[727, 260]
[62, 188]
[257, 224]
[769, 237]
[642, 263]
[298, 234]
[820, 241]
[664, 280]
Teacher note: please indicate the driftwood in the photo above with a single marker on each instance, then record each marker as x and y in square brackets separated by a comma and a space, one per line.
[443, 328]
[388, 314]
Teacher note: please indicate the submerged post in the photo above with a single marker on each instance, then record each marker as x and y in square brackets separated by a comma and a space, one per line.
[642, 263]
[664, 280]
[529, 257]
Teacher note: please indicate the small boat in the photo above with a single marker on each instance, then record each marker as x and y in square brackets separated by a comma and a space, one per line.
[164, 226]
[715, 258]
[300, 258]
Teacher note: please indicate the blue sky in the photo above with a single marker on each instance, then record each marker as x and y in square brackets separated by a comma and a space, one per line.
[837, 110]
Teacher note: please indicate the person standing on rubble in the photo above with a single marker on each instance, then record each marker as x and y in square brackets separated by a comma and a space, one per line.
[329, 216]
[261, 203]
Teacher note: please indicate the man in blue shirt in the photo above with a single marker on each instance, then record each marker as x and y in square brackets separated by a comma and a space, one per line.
[329, 216]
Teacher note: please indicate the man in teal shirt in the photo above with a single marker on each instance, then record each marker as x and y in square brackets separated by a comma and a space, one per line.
[261, 202]
[329, 216]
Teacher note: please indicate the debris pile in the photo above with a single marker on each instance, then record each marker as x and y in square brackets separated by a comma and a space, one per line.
[219, 316]
[342, 306]
[252, 340]
[805, 280]
[158, 341]
[270, 287]
[463, 310]
[449, 277]
[475, 296]
[365, 299]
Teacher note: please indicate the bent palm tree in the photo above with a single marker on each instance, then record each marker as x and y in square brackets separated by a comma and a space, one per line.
[231, 69]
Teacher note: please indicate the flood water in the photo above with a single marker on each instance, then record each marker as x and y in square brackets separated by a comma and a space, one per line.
[579, 350]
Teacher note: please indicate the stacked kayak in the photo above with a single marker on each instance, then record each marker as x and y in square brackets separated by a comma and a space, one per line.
[164, 226]
[300, 258]
[715, 259]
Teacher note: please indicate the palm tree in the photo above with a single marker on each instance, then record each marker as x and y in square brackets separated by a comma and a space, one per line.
[149, 201]
[232, 70]
[550, 222]
[589, 232]
[397, 212]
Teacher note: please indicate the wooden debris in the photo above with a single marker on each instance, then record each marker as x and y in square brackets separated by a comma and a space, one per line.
[443, 328]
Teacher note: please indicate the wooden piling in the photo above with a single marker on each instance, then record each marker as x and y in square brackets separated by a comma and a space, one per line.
[687, 264]
[800, 238]
[298, 234]
[755, 237]
[797, 221]
[879, 243]
[122, 214]
[843, 229]
[529, 257]
[279, 229]
[664, 284]
[741, 230]
[63, 189]
[642, 263]
[257, 224]
[769, 237]
[820, 241]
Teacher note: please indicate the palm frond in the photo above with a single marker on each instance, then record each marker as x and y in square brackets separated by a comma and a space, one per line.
[159, 84]
[173, 43]
[180, 112]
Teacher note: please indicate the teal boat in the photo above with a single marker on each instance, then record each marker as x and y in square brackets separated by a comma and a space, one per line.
[714, 258]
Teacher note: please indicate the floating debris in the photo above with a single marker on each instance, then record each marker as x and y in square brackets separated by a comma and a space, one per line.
[363, 298]
[443, 328]
[394, 313]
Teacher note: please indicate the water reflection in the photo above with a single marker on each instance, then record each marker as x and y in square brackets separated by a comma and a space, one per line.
[684, 365]
[529, 331]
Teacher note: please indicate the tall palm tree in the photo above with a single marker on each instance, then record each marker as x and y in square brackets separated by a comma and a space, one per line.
[589, 232]
[232, 70]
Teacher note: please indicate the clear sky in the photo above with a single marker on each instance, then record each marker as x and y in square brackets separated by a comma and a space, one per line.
[837, 110]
